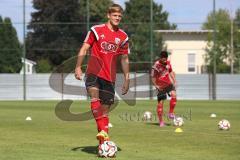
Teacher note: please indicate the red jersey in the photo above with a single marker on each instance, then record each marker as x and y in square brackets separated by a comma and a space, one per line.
[106, 45]
[162, 73]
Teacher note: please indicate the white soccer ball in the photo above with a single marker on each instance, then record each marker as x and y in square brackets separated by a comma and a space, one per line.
[178, 121]
[147, 116]
[224, 124]
[107, 149]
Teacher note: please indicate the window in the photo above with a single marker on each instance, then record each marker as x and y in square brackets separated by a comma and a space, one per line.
[28, 68]
[191, 62]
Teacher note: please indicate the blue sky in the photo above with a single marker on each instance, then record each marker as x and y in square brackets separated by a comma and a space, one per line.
[187, 14]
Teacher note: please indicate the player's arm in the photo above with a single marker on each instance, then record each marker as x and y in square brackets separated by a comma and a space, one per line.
[173, 77]
[154, 83]
[82, 53]
[125, 68]
[153, 78]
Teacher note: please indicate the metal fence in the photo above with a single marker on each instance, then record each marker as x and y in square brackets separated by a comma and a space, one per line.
[148, 32]
[65, 86]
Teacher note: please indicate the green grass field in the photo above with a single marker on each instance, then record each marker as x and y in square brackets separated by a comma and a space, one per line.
[47, 137]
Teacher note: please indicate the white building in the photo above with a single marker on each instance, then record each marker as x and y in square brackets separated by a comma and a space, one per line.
[29, 66]
[187, 48]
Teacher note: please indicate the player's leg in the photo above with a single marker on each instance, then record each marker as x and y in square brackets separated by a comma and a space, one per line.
[98, 113]
[172, 104]
[96, 106]
[92, 84]
[106, 95]
[161, 97]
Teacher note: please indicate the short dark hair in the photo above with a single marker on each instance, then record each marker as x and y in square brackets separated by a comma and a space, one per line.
[115, 8]
[163, 54]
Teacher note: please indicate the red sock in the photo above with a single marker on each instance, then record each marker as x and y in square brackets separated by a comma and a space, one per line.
[106, 121]
[173, 102]
[97, 113]
[160, 111]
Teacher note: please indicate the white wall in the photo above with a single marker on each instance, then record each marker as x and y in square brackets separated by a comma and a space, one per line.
[189, 87]
[180, 44]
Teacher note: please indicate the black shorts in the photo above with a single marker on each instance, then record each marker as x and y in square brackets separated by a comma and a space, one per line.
[162, 95]
[106, 88]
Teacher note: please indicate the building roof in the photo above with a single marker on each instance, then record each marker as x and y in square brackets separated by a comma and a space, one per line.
[28, 61]
[184, 31]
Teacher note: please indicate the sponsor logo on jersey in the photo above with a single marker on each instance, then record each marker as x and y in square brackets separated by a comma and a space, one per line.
[108, 47]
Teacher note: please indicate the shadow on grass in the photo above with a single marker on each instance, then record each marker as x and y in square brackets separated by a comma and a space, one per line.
[89, 149]
[157, 124]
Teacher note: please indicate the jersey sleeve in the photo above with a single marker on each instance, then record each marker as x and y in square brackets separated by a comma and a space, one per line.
[124, 47]
[90, 38]
[153, 73]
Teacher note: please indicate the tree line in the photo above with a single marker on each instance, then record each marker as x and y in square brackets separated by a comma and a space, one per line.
[222, 50]
[57, 30]
[10, 47]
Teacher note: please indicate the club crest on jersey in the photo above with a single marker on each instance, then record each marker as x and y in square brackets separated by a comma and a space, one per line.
[102, 36]
[117, 40]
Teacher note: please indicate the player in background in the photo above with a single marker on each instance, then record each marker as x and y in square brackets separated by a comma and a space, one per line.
[107, 42]
[163, 78]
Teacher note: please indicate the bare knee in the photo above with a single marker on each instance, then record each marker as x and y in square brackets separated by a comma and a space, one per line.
[173, 94]
[93, 92]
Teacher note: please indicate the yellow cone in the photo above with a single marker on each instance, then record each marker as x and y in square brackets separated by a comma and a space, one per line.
[178, 130]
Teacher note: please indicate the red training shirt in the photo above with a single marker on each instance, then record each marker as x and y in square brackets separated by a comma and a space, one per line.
[162, 73]
[106, 45]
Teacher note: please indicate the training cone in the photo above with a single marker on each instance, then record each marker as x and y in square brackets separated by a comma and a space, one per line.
[28, 119]
[213, 115]
[178, 130]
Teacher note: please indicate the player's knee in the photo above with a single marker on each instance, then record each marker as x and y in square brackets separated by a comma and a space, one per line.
[173, 95]
[160, 103]
[93, 94]
[94, 99]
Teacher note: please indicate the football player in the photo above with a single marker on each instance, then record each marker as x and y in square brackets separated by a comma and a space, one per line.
[163, 78]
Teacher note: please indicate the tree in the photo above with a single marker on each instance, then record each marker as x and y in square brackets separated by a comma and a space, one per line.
[222, 49]
[56, 31]
[43, 66]
[137, 24]
[10, 48]
[97, 10]
[237, 41]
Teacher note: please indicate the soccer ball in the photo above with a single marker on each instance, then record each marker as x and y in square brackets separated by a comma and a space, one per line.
[107, 149]
[147, 115]
[178, 121]
[224, 124]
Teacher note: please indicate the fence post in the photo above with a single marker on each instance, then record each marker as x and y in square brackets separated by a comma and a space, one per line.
[62, 85]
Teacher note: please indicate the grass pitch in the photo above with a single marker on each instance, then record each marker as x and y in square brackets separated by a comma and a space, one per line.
[47, 137]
